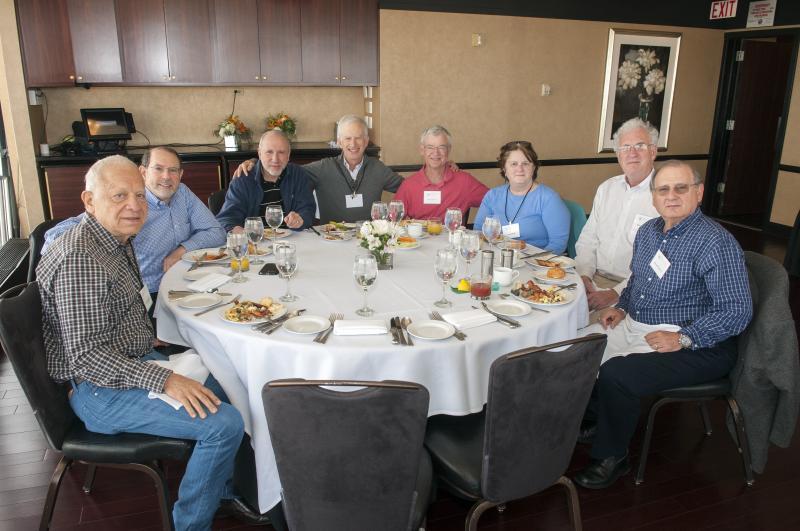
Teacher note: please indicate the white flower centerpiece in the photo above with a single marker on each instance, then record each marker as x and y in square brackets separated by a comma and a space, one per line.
[379, 238]
[637, 63]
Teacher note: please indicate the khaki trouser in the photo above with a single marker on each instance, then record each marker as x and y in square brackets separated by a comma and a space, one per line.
[601, 282]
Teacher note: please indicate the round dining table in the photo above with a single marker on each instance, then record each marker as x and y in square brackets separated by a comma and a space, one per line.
[454, 372]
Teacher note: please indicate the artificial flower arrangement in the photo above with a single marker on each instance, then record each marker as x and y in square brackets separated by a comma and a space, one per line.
[233, 126]
[637, 63]
[283, 122]
[379, 237]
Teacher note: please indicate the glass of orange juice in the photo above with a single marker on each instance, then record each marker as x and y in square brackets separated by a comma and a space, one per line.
[434, 226]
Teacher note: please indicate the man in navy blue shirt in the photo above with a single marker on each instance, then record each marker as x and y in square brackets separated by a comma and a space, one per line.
[272, 181]
[676, 322]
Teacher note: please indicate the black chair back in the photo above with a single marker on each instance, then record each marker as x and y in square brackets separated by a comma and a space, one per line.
[36, 242]
[347, 460]
[21, 337]
[536, 401]
[216, 200]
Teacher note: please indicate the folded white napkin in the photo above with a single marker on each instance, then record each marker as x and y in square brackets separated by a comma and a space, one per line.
[469, 318]
[186, 364]
[359, 327]
[214, 280]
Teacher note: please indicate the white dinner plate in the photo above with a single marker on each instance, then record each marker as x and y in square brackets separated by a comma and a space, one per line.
[198, 301]
[433, 330]
[407, 247]
[565, 294]
[194, 256]
[542, 278]
[337, 236]
[306, 324]
[253, 321]
[201, 272]
[565, 261]
[509, 308]
[279, 233]
[505, 245]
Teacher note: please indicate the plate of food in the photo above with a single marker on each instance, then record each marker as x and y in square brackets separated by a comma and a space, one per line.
[258, 250]
[213, 254]
[553, 275]
[338, 226]
[516, 245]
[542, 264]
[271, 234]
[431, 330]
[201, 272]
[542, 297]
[338, 236]
[198, 301]
[251, 312]
[509, 308]
[407, 242]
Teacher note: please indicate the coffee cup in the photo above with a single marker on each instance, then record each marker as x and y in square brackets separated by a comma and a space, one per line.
[414, 230]
[504, 275]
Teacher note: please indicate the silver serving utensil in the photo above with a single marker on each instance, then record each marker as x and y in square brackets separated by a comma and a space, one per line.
[405, 321]
[393, 332]
[461, 336]
[232, 301]
[513, 323]
[398, 330]
[179, 293]
[501, 321]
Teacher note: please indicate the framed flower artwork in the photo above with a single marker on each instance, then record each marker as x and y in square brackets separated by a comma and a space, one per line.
[640, 82]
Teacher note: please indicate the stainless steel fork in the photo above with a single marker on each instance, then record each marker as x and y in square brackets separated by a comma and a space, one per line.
[323, 337]
[461, 336]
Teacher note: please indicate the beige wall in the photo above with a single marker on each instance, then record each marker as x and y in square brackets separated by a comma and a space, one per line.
[489, 95]
[189, 114]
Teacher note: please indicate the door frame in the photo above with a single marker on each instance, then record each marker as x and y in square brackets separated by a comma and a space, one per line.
[720, 136]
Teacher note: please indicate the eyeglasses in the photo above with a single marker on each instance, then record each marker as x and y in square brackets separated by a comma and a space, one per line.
[641, 146]
[524, 164]
[679, 189]
[172, 171]
[441, 149]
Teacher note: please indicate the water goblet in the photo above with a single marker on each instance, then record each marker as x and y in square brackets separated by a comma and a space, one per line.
[274, 216]
[452, 220]
[286, 261]
[469, 246]
[365, 272]
[254, 228]
[491, 229]
[379, 210]
[396, 210]
[237, 246]
[445, 265]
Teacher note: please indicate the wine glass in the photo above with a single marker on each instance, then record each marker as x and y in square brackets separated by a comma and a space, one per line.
[445, 265]
[452, 220]
[396, 210]
[491, 229]
[469, 247]
[254, 228]
[365, 272]
[274, 216]
[237, 246]
[286, 260]
[379, 210]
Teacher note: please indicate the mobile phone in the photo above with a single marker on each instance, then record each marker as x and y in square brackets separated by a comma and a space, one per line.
[269, 269]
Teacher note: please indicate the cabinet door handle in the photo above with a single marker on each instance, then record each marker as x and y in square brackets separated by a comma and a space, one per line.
[172, 77]
[264, 78]
[80, 78]
[337, 78]
[72, 77]
[344, 78]
[258, 77]
[165, 78]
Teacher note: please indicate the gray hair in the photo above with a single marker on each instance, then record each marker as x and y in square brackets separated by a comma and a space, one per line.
[348, 119]
[678, 164]
[274, 131]
[631, 125]
[436, 130]
[100, 168]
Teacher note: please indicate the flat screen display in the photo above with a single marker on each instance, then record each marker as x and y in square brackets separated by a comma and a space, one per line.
[106, 124]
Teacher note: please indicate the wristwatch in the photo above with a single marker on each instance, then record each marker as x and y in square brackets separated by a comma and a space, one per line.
[685, 341]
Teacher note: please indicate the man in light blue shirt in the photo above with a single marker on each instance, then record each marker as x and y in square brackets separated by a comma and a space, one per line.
[177, 221]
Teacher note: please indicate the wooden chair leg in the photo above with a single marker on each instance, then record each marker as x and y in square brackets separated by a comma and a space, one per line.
[89, 480]
[475, 513]
[52, 492]
[706, 418]
[573, 503]
[648, 435]
[741, 436]
[161, 489]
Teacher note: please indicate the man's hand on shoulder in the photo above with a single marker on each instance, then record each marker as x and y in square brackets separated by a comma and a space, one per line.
[602, 298]
[663, 341]
[243, 168]
[610, 318]
[453, 165]
[191, 394]
[174, 257]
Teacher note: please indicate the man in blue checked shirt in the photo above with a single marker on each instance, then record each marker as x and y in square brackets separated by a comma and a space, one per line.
[675, 324]
[177, 221]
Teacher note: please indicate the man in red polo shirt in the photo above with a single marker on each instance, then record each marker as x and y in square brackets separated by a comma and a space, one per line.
[436, 187]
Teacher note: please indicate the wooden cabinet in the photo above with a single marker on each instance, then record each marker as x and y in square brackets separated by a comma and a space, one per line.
[340, 41]
[188, 41]
[280, 38]
[143, 41]
[46, 43]
[64, 185]
[235, 37]
[95, 46]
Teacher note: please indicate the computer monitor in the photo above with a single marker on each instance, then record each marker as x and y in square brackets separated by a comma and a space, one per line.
[106, 124]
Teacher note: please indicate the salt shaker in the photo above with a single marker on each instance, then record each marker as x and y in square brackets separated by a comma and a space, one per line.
[487, 263]
[507, 258]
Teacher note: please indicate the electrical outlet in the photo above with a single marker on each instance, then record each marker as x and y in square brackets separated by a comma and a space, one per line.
[545, 89]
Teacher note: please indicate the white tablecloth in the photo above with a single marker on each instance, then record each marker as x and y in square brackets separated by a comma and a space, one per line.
[454, 372]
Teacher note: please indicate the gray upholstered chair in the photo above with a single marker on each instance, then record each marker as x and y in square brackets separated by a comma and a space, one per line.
[523, 441]
[350, 460]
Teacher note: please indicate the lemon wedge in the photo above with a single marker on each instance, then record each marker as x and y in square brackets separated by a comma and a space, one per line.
[463, 285]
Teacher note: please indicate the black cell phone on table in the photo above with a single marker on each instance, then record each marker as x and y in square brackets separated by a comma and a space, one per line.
[269, 269]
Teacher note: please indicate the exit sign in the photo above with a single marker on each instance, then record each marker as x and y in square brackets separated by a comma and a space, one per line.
[723, 9]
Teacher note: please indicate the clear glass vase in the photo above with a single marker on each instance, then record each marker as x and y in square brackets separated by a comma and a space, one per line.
[384, 259]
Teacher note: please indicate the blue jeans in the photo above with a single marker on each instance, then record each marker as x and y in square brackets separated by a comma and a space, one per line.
[217, 437]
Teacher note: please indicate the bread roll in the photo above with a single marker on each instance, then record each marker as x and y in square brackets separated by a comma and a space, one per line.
[555, 272]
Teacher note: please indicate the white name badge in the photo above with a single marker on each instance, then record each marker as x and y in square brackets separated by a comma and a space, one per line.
[638, 221]
[660, 264]
[144, 293]
[511, 230]
[353, 201]
[432, 197]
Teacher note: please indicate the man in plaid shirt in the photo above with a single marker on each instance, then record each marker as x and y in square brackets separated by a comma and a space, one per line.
[98, 337]
[676, 322]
